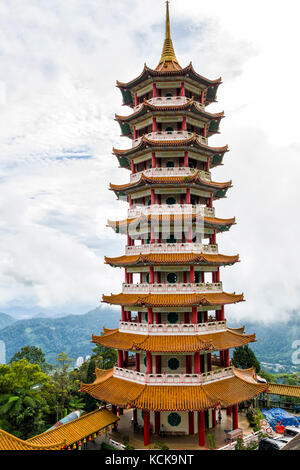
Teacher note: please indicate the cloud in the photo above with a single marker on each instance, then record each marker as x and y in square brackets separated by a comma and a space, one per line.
[59, 63]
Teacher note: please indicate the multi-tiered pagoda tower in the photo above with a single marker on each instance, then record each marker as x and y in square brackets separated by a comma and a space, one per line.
[173, 322]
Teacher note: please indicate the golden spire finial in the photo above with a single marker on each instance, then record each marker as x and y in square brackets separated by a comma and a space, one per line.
[168, 54]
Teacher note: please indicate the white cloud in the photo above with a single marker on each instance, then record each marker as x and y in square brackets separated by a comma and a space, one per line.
[59, 63]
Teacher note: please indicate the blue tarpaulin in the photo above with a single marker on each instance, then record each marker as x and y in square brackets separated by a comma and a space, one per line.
[276, 415]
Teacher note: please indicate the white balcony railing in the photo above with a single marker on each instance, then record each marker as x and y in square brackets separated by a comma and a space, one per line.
[170, 135]
[166, 171]
[173, 379]
[171, 248]
[178, 288]
[166, 329]
[168, 101]
[157, 209]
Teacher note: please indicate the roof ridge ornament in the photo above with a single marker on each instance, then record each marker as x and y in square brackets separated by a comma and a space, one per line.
[168, 58]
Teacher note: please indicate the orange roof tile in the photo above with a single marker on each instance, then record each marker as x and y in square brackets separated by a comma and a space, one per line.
[284, 390]
[76, 430]
[171, 180]
[173, 300]
[171, 259]
[173, 343]
[226, 392]
[10, 442]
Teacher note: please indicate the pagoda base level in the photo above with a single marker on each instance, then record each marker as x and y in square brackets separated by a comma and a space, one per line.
[181, 439]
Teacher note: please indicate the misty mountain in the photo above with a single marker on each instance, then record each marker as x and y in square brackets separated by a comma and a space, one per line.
[5, 320]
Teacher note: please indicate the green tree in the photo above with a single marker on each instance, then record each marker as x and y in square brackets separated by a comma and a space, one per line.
[33, 355]
[105, 358]
[244, 358]
[22, 404]
[63, 384]
[90, 403]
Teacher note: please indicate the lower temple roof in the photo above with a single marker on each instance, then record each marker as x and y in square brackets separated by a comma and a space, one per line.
[172, 259]
[173, 343]
[172, 300]
[123, 393]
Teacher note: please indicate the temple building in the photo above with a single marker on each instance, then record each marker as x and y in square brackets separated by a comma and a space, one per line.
[173, 341]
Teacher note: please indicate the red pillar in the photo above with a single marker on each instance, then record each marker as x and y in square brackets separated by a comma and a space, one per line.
[187, 318]
[136, 100]
[152, 196]
[228, 411]
[201, 428]
[132, 167]
[202, 97]
[158, 364]
[209, 362]
[125, 358]
[194, 315]
[134, 133]
[197, 363]
[153, 160]
[123, 314]
[191, 423]
[184, 126]
[154, 126]
[192, 274]
[182, 89]
[146, 428]
[188, 196]
[137, 362]
[149, 362]
[222, 313]
[235, 417]
[156, 422]
[214, 417]
[150, 316]
[186, 159]
[120, 358]
[151, 275]
[188, 364]
[218, 275]
[154, 90]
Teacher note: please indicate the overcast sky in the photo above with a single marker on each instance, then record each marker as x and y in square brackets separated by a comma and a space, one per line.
[59, 64]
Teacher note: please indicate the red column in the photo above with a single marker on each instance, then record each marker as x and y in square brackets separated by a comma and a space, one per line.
[188, 364]
[149, 362]
[192, 274]
[152, 196]
[209, 362]
[154, 90]
[158, 364]
[146, 428]
[187, 318]
[125, 358]
[156, 422]
[120, 358]
[186, 159]
[222, 313]
[154, 126]
[201, 428]
[137, 362]
[235, 417]
[227, 358]
[218, 275]
[139, 317]
[191, 423]
[228, 411]
[182, 89]
[194, 315]
[132, 167]
[134, 133]
[197, 363]
[205, 130]
[158, 318]
[151, 275]
[136, 100]
[153, 160]
[208, 165]
[184, 126]
[202, 97]
[188, 196]
[211, 200]
[214, 418]
[150, 316]
[123, 314]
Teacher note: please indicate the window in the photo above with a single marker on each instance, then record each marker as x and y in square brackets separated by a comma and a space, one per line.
[169, 129]
[174, 419]
[170, 201]
[172, 317]
[170, 164]
[173, 363]
[172, 278]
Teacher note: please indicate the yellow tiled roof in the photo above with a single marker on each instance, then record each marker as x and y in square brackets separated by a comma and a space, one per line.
[171, 259]
[226, 392]
[76, 430]
[10, 442]
[173, 343]
[284, 390]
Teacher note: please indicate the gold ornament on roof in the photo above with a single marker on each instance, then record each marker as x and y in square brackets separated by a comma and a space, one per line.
[168, 60]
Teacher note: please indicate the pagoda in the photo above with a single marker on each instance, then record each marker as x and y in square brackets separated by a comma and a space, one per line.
[173, 342]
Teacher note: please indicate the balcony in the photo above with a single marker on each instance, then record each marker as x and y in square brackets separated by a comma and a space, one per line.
[168, 101]
[173, 379]
[156, 209]
[178, 288]
[171, 248]
[165, 171]
[170, 135]
[166, 329]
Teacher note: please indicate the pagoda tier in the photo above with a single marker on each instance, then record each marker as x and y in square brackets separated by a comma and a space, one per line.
[188, 143]
[168, 342]
[156, 114]
[172, 259]
[235, 386]
[180, 177]
[173, 343]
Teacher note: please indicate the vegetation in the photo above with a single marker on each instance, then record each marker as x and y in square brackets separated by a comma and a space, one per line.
[211, 439]
[244, 358]
[241, 446]
[33, 355]
[160, 445]
[254, 416]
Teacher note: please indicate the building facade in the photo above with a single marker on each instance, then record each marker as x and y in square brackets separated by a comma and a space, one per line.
[173, 340]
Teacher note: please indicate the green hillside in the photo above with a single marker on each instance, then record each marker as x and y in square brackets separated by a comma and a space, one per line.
[5, 320]
[71, 334]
